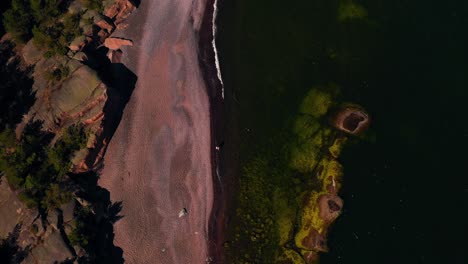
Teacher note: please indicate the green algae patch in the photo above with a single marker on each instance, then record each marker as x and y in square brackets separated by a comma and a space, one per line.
[290, 256]
[287, 199]
[285, 216]
[348, 10]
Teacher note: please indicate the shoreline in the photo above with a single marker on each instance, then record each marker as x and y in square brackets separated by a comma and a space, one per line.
[209, 65]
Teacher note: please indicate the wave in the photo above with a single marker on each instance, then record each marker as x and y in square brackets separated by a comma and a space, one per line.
[213, 42]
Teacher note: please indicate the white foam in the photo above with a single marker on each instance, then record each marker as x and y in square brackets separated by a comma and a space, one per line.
[213, 42]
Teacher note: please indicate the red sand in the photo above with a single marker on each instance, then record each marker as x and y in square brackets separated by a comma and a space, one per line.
[158, 161]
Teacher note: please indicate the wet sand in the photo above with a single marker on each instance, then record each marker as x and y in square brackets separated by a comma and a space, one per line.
[159, 159]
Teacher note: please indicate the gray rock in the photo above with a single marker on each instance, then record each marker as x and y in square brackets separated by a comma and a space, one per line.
[52, 218]
[12, 210]
[31, 54]
[67, 210]
[52, 250]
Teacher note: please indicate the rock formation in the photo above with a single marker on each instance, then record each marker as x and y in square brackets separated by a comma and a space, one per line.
[351, 119]
[116, 43]
[69, 91]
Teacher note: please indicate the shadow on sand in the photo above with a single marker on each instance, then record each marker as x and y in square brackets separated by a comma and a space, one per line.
[98, 225]
[120, 82]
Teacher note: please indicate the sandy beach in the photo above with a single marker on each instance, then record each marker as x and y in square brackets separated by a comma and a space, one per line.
[159, 159]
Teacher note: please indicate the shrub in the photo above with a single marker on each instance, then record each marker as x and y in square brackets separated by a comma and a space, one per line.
[58, 74]
[93, 4]
[18, 20]
[55, 196]
[38, 170]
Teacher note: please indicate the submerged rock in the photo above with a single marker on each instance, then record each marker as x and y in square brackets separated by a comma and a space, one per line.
[351, 119]
[329, 207]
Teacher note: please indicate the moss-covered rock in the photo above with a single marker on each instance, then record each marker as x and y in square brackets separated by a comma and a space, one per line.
[290, 256]
[289, 201]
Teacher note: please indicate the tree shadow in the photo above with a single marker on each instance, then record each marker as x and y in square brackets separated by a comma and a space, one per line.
[16, 95]
[121, 82]
[99, 224]
[10, 251]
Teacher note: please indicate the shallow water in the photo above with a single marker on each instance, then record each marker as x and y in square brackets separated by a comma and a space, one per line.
[405, 190]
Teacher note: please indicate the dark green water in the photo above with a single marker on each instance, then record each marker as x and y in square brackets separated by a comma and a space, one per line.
[406, 192]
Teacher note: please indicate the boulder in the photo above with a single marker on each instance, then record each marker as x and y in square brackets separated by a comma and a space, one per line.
[53, 218]
[78, 43]
[116, 43]
[31, 54]
[118, 10]
[313, 241]
[351, 119]
[80, 56]
[330, 207]
[101, 21]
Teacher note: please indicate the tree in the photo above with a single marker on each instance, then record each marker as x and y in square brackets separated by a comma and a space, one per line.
[55, 196]
[18, 20]
[93, 4]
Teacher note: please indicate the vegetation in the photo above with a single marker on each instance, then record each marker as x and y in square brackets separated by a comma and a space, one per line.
[92, 227]
[284, 132]
[36, 169]
[80, 235]
[58, 74]
[273, 186]
[93, 4]
[18, 20]
[46, 21]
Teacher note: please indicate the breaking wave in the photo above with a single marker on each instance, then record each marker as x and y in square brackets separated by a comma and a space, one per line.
[213, 42]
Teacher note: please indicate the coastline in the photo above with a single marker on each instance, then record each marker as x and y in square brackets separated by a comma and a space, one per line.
[209, 65]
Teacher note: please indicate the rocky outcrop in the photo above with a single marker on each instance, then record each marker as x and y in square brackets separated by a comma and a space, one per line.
[78, 97]
[322, 205]
[43, 241]
[118, 10]
[68, 91]
[52, 249]
[116, 43]
[13, 212]
[329, 207]
[351, 119]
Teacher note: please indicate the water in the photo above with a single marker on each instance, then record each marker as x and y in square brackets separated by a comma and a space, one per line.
[406, 186]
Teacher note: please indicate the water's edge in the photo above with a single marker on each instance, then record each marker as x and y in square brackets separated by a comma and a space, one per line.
[210, 66]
